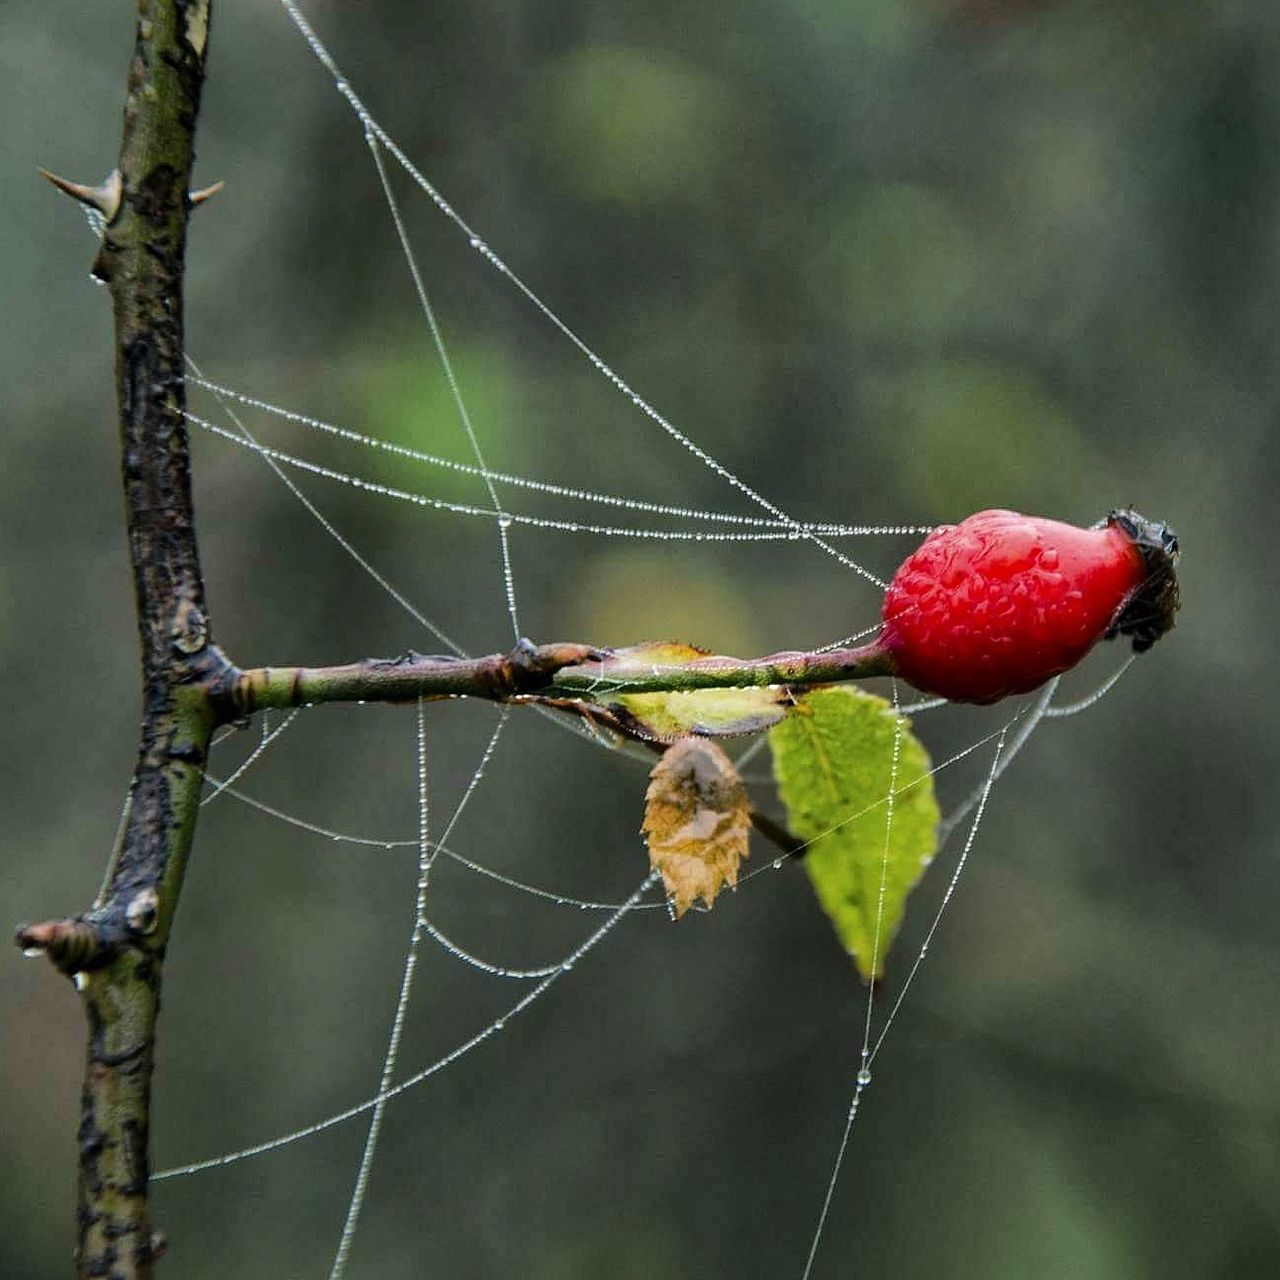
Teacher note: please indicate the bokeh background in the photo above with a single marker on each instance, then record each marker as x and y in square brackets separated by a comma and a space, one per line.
[891, 260]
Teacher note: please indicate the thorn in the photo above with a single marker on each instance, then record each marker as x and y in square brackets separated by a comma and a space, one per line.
[35, 938]
[159, 1244]
[205, 193]
[105, 198]
[71, 945]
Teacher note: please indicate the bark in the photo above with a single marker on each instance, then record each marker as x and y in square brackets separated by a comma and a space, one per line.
[551, 672]
[115, 951]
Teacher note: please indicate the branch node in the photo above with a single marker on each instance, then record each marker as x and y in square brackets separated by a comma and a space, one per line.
[105, 197]
[531, 666]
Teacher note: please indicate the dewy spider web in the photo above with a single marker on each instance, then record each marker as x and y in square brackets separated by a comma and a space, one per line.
[775, 524]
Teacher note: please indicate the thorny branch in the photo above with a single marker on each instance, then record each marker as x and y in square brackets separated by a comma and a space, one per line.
[116, 949]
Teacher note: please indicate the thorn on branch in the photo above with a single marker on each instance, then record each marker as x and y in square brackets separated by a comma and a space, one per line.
[195, 198]
[105, 197]
[71, 945]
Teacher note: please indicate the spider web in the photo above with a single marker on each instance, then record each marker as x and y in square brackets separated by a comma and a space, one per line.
[240, 417]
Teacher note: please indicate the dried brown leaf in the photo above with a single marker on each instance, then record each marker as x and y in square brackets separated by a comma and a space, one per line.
[697, 819]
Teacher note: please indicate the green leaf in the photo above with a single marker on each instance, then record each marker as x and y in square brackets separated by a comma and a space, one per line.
[709, 713]
[833, 760]
[623, 665]
[663, 717]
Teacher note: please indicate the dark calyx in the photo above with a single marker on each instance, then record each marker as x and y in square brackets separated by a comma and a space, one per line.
[1148, 613]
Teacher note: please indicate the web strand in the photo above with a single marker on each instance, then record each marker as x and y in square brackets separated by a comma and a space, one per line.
[864, 1073]
[544, 487]
[772, 533]
[426, 856]
[360, 1190]
[371, 126]
[252, 758]
[863, 1077]
[800, 849]
[455, 390]
[484, 966]
[248, 439]
[478, 868]
[499, 1024]
[1092, 699]
[890, 798]
[992, 775]
[1035, 718]
[335, 836]
[850, 1116]
[776, 525]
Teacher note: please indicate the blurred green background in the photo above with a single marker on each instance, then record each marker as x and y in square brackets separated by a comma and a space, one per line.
[890, 260]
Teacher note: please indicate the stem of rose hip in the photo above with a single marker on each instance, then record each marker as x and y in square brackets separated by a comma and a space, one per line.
[551, 670]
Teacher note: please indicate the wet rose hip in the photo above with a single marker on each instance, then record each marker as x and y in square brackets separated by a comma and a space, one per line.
[1001, 602]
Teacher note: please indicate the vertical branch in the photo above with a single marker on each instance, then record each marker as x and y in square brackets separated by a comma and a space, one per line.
[115, 951]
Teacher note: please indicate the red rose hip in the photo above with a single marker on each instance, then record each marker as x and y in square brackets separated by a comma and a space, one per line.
[1001, 602]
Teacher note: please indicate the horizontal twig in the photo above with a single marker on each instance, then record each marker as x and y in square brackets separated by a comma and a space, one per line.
[554, 670]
